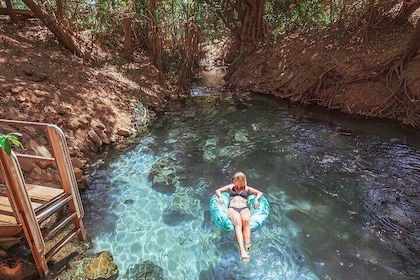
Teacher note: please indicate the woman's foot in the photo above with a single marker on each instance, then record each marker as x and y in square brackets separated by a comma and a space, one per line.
[248, 246]
[245, 257]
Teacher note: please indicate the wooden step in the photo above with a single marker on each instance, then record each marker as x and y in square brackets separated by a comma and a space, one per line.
[9, 230]
[41, 199]
[60, 244]
[59, 225]
[6, 211]
[46, 212]
[42, 193]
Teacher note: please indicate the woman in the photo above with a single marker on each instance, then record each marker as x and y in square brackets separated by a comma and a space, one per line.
[238, 211]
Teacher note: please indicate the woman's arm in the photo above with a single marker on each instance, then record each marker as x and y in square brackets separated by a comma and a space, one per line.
[222, 189]
[254, 191]
[257, 192]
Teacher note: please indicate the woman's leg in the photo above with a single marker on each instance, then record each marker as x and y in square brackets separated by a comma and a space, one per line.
[237, 221]
[246, 230]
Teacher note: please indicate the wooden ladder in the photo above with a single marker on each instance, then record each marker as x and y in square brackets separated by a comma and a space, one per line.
[29, 205]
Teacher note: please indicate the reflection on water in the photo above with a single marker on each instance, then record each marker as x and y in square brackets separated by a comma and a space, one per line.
[343, 194]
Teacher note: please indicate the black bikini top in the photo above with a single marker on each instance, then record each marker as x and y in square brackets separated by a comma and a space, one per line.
[233, 193]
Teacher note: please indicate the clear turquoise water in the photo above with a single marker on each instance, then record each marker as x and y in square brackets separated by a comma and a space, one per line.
[342, 193]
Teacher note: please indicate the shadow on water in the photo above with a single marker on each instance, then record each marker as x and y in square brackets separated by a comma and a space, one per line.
[343, 193]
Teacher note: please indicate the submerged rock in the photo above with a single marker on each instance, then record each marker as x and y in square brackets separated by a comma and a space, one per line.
[164, 175]
[92, 267]
[102, 267]
[144, 270]
[186, 207]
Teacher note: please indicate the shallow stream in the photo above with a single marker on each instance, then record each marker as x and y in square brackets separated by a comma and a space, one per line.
[343, 193]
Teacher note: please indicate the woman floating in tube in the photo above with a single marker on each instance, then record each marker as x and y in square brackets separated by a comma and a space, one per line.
[239, 212]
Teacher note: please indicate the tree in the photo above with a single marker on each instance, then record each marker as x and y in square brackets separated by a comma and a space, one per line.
[12, 14]
[54, 26]
[407, 9]
[252, 21]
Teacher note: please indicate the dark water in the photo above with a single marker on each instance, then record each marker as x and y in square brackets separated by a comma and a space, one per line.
[343, 193]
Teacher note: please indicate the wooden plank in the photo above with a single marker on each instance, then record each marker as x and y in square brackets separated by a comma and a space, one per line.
[5, 207]
[39, 195]
[6, 211]
[42, 193]
[10, 232]
[7, 219]
[37, 192]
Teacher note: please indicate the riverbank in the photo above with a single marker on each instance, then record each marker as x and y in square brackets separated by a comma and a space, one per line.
[352, 72]
[93, 102]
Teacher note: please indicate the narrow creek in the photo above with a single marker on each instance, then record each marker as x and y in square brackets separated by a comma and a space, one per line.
[344, 193]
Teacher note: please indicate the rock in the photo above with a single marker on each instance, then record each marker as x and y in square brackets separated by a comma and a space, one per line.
[41, 93]
[78, 173]
[164, 175]
[178, 213]
[123, 132]
[105, 139]
[40, 151]
[50, 112]
[99, 125]
[14, 268]
[74, 124]
[25, 164]
[145, 270]
[37, 170]
[34, 99]
[94, 138]
[7, 244]
[17, 89]
[76, 162]
[85, 120]
[102, 267]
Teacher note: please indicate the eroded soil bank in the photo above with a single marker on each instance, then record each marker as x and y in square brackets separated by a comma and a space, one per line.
[349, 72]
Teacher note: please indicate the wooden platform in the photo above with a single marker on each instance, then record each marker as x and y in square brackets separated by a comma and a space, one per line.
[40, 197]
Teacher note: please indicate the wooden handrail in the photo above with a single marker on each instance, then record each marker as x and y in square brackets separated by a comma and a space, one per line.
[39, 158]
[22, 204]
[25, 123]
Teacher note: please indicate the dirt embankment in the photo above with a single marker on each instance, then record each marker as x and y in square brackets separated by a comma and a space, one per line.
[346, 72]
[93, 102]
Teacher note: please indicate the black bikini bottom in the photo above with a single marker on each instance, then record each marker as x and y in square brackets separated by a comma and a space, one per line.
[238, 209]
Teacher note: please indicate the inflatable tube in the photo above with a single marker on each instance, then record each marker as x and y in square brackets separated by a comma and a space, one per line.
[220, 216]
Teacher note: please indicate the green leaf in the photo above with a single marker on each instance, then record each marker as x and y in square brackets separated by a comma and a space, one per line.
[2, 141]
[7, 148]
[15, 141]
[6, 142]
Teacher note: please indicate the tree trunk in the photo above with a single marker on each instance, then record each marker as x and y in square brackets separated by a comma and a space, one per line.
[407, 9]
[12, 14]
[155, 34]
[128, 38]
[413, 45]
[252, 22]
[60, 9]
[54, 26]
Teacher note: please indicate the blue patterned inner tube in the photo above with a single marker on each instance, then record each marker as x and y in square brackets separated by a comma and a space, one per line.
[220, 216]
